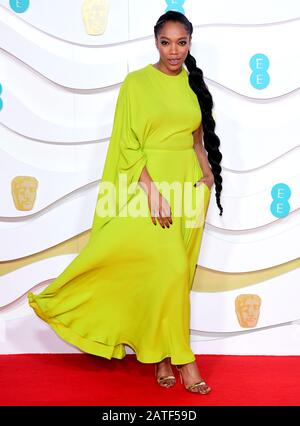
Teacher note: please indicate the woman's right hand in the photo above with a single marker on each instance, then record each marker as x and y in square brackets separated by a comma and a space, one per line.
[159, 208]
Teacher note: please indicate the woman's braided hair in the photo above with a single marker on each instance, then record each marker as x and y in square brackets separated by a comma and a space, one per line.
[197, 83]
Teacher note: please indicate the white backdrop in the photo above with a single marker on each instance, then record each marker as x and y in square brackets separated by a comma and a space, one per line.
[59, 79]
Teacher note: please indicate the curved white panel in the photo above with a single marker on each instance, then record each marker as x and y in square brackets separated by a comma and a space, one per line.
[20, 281]
[210, 312]
[253, 133]
[213, 12]
[281, 339]
[51, 156]
[215, 312]
[81, 117]
[69, 65]
[252, 250]
[248, 183]
[20, 308]
[59, 115]
[64, 63]
[124, 16]
[67, 218]
[217, 48]
[247, 199]
[224, 57]
[31, 335]
[63, 19]
[237, 251]
[59, 169]
[223, 336]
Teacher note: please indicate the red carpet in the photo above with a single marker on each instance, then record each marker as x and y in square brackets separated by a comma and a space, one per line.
[83, 379]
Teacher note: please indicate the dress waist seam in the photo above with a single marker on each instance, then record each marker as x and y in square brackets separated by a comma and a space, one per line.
[167, 149]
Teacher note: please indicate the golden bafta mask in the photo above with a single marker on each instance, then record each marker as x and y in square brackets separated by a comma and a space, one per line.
[94, 14]
[23, 189]
[247, 308]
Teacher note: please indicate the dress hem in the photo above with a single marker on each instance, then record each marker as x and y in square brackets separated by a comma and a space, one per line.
[96, 348]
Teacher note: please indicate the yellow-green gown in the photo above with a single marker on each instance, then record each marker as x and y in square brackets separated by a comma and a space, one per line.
[130, 285]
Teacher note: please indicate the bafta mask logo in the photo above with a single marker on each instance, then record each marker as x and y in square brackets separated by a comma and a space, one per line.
[23, 190]
[247, 308]
[94, 14]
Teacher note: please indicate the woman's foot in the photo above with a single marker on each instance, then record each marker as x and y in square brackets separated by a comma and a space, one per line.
[164, 373]
[191, 378]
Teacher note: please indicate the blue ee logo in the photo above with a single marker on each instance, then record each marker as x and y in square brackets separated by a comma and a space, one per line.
[175, 5]
[259, 64]
[19, 6]
[280, 194]
[1, 102]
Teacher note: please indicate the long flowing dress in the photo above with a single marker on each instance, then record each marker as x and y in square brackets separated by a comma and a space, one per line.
[130, 285]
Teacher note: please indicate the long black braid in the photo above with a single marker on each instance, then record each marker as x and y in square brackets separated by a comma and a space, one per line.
[197, 83]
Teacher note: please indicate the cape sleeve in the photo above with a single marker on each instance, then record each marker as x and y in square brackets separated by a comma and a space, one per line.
[124, 155]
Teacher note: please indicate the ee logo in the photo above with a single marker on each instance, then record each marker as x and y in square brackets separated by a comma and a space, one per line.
[175, 5]
[1, 102]
[19, 6]
[259, 64]
[280, 194]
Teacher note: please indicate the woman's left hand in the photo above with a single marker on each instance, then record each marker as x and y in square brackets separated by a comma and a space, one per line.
[207, 179]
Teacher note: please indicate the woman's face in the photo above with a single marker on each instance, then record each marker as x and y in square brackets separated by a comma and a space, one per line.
[173, 44]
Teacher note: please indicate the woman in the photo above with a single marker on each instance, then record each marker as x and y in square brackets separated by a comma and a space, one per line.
[131, 282]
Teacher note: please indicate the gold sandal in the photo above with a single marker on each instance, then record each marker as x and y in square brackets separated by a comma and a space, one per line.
[165, 381]
[204, 388]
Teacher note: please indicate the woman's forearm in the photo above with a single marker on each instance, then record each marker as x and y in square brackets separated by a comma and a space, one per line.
[145, 180]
